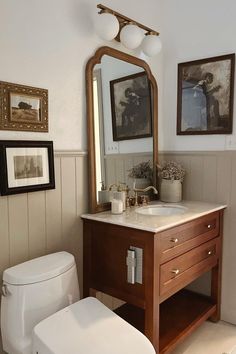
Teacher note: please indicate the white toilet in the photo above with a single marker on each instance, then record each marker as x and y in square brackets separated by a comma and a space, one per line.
[41, 314]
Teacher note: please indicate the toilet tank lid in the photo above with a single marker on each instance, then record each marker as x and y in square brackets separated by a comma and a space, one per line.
[39, 269]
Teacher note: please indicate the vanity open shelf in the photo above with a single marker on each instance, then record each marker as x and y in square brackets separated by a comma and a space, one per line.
[181, 314]
[173, 256]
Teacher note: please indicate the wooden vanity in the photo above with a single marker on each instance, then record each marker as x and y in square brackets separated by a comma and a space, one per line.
[175, 250]
[173, 257]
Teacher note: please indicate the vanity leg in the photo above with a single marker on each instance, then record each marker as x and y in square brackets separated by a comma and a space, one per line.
[216, 278]
[152, 300]
[86, 259]
[215, 291]
[152, 326]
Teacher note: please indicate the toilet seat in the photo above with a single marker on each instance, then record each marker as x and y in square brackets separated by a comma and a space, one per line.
[88, 327]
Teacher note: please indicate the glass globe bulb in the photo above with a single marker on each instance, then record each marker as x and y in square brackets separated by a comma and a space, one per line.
[107, 26]
[131, 36]
[151, 45]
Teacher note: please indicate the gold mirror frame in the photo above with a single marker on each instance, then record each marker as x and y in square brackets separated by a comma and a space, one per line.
[94, 207]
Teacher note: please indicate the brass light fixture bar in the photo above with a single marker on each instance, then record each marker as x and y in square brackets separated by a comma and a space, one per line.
[124, 20]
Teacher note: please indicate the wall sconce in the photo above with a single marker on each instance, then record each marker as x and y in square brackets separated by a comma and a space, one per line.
[132, 34]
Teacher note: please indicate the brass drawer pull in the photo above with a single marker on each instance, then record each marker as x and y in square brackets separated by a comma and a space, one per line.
[210, 253]
[175, 271]
[174, 240]
[209, 226]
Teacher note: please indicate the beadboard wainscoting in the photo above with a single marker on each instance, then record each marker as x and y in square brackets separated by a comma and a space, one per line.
[117, 166]
[39, 223]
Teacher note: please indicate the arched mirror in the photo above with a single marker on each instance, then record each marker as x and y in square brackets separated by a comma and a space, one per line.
[122, 121]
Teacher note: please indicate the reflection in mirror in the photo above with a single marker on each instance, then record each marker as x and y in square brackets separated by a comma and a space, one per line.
[122, 126]
[131, 107]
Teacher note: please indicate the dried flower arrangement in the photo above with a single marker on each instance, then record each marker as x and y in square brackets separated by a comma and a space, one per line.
[171, 170]
[142, 170]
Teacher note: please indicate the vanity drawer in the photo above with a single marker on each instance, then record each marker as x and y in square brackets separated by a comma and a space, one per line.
[182, 270]
[187, 236]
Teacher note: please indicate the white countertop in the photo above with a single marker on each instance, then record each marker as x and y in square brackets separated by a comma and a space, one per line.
[152, 223]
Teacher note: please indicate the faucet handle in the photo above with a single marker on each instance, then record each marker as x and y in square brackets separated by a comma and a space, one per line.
[128, 202]
[144, 200]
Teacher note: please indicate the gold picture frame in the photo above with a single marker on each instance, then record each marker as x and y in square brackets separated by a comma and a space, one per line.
[23, 108]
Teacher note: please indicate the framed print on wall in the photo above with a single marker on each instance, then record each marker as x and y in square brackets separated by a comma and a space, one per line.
[131, 107]
[23, 108]
[26, 166]
[205, 96]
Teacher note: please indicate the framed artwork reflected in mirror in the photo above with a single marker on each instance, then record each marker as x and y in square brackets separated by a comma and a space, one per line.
[131, 107]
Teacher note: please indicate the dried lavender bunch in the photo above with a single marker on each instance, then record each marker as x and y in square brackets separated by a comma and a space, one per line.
[171, 170]
[142, 170]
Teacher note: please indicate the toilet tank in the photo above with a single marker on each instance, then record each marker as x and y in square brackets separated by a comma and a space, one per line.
[33, 291]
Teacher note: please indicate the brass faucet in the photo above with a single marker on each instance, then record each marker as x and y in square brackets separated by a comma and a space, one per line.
[136, 190]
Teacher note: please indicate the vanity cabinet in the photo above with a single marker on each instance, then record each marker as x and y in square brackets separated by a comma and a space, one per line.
[158, 302]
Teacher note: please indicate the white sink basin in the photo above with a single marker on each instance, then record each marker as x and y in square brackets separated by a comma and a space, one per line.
[162, 210]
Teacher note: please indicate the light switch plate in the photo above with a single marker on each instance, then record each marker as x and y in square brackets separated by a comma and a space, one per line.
[230, 142]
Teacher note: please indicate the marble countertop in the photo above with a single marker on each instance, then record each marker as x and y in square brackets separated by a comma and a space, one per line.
[130, 218]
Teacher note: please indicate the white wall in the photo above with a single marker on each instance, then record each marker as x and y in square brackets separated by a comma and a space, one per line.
[193, 30]
[47, 44]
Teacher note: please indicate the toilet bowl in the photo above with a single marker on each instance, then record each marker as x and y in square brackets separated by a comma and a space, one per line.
[40, 313]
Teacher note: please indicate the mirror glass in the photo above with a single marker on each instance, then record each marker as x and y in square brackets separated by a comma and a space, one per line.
[123, 128]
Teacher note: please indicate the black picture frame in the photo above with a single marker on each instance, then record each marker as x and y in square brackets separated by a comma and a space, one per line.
[206, 96]
[131, 107]
[23, 162]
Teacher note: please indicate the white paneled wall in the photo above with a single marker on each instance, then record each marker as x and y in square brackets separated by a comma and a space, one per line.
[38, 223]
[118, 165]
[42, 222]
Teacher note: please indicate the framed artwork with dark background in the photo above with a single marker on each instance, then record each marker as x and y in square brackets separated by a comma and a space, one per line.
[26, 166]
[131, 107]
[205, 96]
[23, 108]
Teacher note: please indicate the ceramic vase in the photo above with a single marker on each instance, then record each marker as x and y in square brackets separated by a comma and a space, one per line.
[171, 191]
[141, 183]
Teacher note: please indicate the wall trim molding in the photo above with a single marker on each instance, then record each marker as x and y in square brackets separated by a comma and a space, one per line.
[71, 153]
[162, 152]
[128, 154]
[205, 152]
